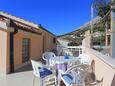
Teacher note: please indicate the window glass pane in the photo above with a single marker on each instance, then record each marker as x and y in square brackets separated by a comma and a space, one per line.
[25, 50]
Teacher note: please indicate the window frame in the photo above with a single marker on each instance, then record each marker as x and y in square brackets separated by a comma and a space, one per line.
[26, 50]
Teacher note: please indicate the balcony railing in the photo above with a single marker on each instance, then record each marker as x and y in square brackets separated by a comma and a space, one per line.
[70, 50]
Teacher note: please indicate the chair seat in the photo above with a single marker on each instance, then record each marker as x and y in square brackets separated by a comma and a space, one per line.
[44, 72]
[68, 78]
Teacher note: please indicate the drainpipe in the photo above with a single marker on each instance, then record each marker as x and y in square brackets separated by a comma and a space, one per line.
[44, 42]
[13, 31]
[12, 50]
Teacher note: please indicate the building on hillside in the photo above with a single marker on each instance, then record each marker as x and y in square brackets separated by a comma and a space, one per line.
[21, 41]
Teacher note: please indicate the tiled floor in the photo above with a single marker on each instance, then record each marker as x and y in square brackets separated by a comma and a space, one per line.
[18, 79]
[23, 77]
[25, 68]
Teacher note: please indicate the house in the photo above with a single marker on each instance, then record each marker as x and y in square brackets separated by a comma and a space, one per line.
[20, 41]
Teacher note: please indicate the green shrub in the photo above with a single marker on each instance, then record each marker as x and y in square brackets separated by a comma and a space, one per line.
[74, 43]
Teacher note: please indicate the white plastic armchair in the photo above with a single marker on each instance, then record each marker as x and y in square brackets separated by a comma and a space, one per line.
[49, 57]
[66, 51]
[73, 75]
[84, 58]
[41, 72]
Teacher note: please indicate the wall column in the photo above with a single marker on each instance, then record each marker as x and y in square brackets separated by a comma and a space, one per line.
[3, 53]
[113, 32]
[86, 43]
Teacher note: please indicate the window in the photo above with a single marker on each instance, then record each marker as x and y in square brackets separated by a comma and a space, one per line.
[25, 50]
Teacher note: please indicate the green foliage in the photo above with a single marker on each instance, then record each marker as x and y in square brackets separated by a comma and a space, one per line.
[102, 38]
[112, 2]
[99, 27]
[99, 40]
[103, 10]
[74, 43]
[101, 7]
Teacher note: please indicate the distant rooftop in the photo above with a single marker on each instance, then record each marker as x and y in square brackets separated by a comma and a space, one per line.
[26, 22]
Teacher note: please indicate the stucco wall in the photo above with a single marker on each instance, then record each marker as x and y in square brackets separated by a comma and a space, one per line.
[49, 42]
[4, 52]
[36, 46]
[103, 67]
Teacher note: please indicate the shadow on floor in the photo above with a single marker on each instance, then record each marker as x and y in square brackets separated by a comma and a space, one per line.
[28, 67]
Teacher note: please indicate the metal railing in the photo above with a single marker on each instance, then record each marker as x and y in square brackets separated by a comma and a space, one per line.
[70, 50]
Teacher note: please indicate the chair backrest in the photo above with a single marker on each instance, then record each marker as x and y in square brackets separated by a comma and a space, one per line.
[84, 58]
[47, 56]
[36, 65]
[66, 51]
[75, 73]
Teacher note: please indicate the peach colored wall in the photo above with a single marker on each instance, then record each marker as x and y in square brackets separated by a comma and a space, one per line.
[49, 45]
[49, 42]
[102, 69]
[8, 52]
[36, 46]
[4, 52]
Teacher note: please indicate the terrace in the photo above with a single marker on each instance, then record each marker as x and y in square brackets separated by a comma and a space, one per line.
[24, 77]
[25, 74]
[101, 65]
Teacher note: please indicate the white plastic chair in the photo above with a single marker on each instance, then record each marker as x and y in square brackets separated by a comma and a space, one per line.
[66, 51]
[49, 57]
[73, 76]
[84, 58]
[42, 73]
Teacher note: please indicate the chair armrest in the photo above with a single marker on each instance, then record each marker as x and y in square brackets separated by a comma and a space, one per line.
[61, 72]
[75, 66]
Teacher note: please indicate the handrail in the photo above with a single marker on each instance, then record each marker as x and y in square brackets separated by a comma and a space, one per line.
[74, 46]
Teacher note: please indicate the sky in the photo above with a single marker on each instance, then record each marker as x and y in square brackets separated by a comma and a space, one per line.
[57, 16]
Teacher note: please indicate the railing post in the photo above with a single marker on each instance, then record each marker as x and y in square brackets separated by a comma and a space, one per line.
[79, 50]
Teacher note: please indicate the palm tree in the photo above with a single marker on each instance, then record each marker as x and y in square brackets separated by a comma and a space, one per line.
[102, 9]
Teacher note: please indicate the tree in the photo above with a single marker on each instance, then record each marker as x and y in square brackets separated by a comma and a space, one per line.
[112, 2]
[74, 43]
[101, 7]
